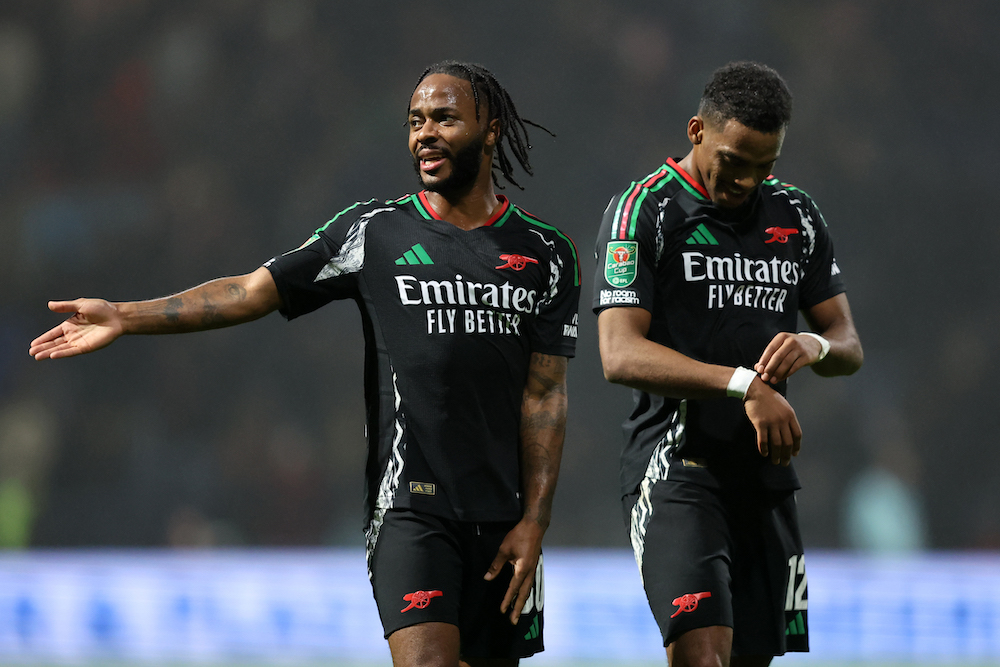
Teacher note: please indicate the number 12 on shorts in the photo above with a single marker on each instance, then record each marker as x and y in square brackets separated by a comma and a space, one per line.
[796, 597]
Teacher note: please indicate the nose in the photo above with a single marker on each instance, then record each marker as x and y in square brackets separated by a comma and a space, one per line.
[427, 133]
[748, 180]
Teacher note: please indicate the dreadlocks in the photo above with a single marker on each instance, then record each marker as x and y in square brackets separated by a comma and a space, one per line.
[501, 107]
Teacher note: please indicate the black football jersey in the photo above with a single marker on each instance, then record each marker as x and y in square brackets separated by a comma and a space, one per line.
[719, 284]
[450, 319]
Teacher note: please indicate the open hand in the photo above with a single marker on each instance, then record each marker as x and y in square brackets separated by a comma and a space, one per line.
[95, 323]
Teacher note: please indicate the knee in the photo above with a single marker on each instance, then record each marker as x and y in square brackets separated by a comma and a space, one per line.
[702, 658]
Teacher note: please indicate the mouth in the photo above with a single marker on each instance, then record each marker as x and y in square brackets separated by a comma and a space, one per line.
[428, 161]
[735, 194]
[428, 165]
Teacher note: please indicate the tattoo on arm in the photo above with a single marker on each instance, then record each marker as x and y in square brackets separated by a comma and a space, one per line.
[211, 315]
[172, 309]
[236, 292]
[543, 427]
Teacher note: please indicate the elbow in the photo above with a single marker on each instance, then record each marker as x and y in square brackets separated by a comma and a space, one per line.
[845, 364]
[615, 368]
[855, 358]
[857, 361]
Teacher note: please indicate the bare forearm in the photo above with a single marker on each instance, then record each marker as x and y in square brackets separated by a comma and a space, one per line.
[212, 305]
[845, 356]
[832, 319]
[657, 369]
[543, 429]
[629, 358]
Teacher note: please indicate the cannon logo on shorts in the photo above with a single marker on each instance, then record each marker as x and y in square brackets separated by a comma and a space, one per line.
[621, 263]
[419, 599]
[688, 603]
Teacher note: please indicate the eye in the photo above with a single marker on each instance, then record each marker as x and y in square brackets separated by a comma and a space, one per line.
[415, 122]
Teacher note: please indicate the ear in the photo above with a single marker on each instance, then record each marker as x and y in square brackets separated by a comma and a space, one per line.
[696, 130]
[492, 133]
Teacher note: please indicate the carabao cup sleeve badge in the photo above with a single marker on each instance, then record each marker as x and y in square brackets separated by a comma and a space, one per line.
[621, 262]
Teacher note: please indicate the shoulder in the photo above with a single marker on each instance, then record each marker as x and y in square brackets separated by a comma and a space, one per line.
[543, 229]
[779, 192]
[644, 199]
[365, 211]
[559, 245]
[800, 210]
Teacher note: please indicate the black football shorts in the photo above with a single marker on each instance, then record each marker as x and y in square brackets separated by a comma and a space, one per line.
[712, 558]
[426, 568]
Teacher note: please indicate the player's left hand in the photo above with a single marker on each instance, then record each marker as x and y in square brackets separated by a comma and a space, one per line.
[521, 547]
[785, 354]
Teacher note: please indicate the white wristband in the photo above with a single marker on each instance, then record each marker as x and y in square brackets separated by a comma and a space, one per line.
[824, 344]
[739, 384]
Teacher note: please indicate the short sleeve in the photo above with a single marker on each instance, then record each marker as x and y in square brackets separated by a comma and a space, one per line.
[626, 253]
[822, 278]
[556, 323]
[324, 268]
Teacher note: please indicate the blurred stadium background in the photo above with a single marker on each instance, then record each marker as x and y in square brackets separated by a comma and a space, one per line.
[147, 145]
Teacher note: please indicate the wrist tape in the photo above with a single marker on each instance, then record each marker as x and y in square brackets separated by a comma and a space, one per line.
[823, 343]
[739, 383]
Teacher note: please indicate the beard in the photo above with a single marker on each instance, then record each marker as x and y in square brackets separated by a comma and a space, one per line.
[465, 167]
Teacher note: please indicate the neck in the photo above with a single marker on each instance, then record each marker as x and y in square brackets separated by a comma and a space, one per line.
[467, 210]
[688, 165]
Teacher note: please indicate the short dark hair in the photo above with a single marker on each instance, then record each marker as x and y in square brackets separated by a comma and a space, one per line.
[512, 128]
[751, 93]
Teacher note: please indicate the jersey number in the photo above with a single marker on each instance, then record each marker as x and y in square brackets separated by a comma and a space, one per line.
[796, 598]
[536, 596]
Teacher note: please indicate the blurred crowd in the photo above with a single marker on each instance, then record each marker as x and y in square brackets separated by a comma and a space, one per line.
[147, 145]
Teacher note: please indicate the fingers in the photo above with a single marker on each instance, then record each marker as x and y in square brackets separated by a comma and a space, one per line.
[52, 341]
[518, 591]
[782, 441]
[779, 435]
[521, 548]
[516, 594]
[786, 354]
[763, 446]
[496, 566]
[519, 587]
[65, 306]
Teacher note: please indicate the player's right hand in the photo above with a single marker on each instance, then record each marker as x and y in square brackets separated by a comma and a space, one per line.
[778, 432]
[95, 323]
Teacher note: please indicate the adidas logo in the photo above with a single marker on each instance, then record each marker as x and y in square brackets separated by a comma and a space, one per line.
[534, 630]
[415, 255]
[797, 626]
[700, 236]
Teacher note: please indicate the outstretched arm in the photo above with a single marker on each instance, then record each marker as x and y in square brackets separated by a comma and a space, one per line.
[631, 359]
[789, 352]
[96, 323]
[543, 427]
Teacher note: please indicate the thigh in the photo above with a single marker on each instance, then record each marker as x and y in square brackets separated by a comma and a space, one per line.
[416, 571]
[425, 645]
[681, 542]
[770, 597]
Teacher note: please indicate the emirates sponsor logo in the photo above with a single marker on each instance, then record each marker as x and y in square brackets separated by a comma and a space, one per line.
[743, 281]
